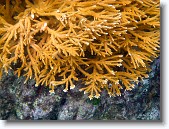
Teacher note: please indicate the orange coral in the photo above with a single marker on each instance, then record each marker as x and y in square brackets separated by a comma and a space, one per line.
[109, 42]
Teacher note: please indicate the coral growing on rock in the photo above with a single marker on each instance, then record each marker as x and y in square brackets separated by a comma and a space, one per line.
[108, 44]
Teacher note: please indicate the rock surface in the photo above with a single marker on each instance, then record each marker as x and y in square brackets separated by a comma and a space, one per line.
[19, 101]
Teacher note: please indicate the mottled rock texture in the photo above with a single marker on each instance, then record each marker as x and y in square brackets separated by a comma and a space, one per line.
[19, 101]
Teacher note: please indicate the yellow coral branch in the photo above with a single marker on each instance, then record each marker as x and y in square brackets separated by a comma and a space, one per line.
[108, 44]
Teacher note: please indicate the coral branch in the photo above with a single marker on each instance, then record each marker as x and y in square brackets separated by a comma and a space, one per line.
[108, 44]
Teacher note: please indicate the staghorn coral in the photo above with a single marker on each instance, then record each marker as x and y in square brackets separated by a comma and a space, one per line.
[108, 44]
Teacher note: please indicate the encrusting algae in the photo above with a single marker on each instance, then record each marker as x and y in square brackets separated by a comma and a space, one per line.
[108, 44]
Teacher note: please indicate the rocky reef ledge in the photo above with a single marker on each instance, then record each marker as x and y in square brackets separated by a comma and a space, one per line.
[19, 101]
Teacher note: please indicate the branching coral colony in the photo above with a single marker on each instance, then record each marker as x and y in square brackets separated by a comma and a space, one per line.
[108, 44]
